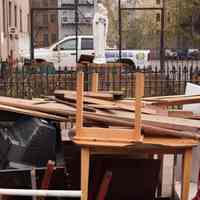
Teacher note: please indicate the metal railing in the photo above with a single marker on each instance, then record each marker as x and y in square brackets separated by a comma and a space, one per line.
[37, 81]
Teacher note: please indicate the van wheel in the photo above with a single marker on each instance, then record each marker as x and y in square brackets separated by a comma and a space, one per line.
[39, 61]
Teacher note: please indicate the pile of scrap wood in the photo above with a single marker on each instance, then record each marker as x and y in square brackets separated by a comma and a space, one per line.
[112, 110]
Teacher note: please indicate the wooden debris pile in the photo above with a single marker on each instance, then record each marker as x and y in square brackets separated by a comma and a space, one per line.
[111, 110]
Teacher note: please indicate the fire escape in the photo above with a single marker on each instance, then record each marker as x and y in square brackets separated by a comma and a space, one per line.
[85, 13]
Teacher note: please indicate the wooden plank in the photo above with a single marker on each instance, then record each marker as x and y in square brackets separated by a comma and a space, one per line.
[95, 82]
[97, 101]
[109, 96]
[180, 113]
[187, 162]
[85, 165]
[90, 143]
[107, 135]
[32, 113]
[177, 100]
[143, 149]
[173, 123]
[155, 98]
[195, 117]
[138, 105]
[79, 103]
[169, 100]
[162, 132]
[148, 142]
[171, 142]
[51, 108]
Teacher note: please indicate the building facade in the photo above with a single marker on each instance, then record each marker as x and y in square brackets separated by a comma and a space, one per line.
[14, 28]
[45, 23]
[66, 18]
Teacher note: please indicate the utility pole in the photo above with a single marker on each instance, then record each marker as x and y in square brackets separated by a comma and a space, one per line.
[120, 29]
[32, 35]
[76, 26]
[162, 37]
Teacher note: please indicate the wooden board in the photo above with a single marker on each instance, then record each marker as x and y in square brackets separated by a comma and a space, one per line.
[114, 95]
[174, 100]
[32, 113]
[50, 108]
[173, 123]
[153, 142]
[105, 104]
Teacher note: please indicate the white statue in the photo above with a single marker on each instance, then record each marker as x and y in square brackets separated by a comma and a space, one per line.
[100, 29]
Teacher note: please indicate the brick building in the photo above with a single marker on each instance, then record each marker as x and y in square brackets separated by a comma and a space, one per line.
[14, 28]
[45, 23]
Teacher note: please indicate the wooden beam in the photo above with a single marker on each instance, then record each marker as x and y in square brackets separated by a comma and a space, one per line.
[187, 162]
[79, 102]
[85, 166]
[108, 134]
[138, 105]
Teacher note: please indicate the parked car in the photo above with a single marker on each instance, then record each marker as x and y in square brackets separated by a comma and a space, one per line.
[170, 54]
[182, 54]
[63, 53]
[194, 53]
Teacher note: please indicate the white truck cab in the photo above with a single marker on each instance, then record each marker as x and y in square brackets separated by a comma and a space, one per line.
[63, 53]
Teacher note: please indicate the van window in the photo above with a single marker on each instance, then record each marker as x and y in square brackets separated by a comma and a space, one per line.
[67, 45]
[87, 44]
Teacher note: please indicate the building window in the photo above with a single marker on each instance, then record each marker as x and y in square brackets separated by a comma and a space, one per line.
[45, 3]
[46, 39]
[4, 18]
[158, 17]
[15, 16]
[10, 13]
[45, 19]
[53, 18]
[168, 17]
[21, 23]
[52, 3]
[35, 4]
[53, 37]
[158, 2]
[28, 23]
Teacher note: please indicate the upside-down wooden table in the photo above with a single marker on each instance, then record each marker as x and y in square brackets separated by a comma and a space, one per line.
[126, 141]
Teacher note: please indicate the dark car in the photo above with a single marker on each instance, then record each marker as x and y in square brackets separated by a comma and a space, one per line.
[182, 54]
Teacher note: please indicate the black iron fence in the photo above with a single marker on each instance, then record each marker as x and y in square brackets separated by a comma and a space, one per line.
[42, 80]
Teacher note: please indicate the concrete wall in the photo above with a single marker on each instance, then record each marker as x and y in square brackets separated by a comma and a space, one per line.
[19, 19]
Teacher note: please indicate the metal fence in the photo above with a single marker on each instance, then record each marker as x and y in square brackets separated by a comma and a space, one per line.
[42, 80]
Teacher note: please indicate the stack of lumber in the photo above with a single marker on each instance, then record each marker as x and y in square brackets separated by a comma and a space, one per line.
[110, 110]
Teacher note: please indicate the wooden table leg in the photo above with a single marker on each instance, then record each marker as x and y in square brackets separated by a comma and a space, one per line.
[85, 165]
[186, 171]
